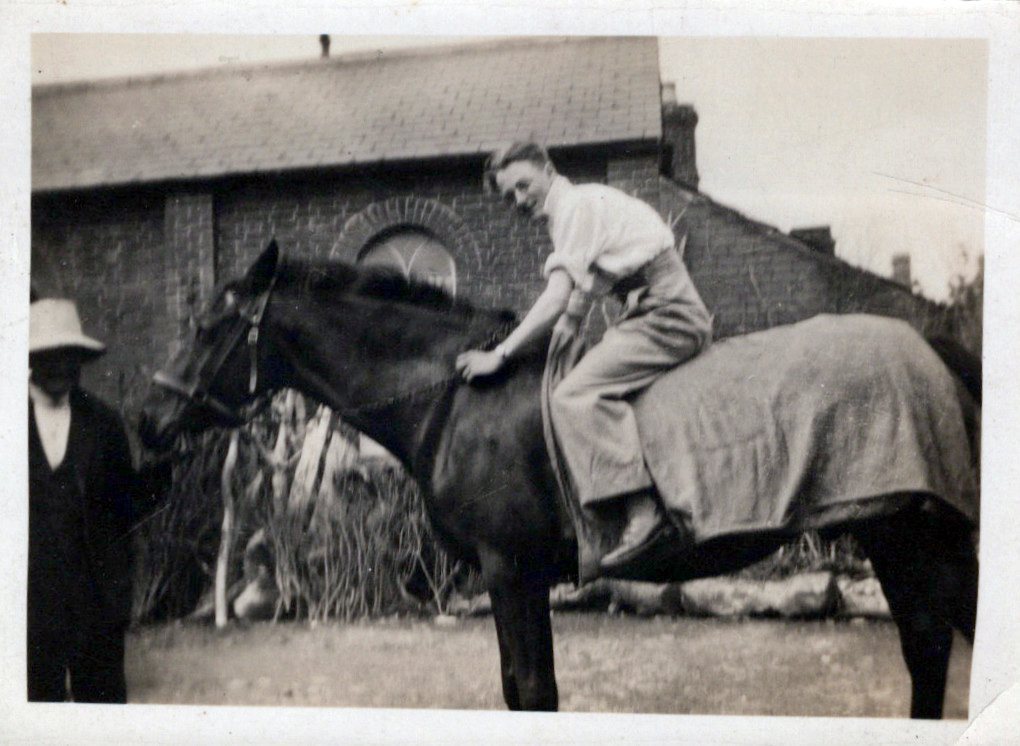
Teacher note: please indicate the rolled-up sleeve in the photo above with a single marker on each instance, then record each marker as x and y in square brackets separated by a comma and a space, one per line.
[576, 236]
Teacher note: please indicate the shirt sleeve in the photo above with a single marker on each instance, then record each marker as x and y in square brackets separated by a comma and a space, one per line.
[577, 237]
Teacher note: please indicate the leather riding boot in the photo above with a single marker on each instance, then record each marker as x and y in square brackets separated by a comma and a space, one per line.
[645, 523]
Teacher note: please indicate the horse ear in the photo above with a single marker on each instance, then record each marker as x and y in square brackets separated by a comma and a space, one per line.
[264, 268]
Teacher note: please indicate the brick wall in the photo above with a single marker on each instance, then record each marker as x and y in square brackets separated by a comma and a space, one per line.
[141, 263]
[189, 253]
[752, 276]
[637, 176]
[308, 216]
[107, 252]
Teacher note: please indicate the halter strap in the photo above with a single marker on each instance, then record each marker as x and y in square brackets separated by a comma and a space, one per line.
[197, 391]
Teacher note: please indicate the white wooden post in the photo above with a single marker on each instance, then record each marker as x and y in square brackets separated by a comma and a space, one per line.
[226, 532]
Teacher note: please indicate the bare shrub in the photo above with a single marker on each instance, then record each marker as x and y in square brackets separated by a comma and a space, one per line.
[176, 545]
[347, 538]
[966, 303]
[352, 556]
[809, 553]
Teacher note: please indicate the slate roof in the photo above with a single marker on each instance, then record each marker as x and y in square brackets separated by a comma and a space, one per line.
[364, 108]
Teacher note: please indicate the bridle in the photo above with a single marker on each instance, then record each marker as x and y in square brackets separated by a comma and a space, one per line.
[196, 391]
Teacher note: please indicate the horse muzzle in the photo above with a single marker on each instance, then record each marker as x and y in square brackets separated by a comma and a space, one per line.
[157, 433]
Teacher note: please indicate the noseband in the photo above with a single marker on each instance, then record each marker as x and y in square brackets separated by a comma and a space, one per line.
[196, 391]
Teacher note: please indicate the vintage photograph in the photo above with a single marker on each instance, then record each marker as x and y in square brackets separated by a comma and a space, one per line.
[601, 374]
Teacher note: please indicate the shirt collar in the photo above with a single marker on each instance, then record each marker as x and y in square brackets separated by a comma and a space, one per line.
[41, 399]
[560, 185]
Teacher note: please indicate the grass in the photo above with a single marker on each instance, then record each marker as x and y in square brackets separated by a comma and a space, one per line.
[604, 664]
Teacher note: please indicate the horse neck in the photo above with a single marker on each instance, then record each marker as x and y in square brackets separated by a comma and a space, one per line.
[385, 373]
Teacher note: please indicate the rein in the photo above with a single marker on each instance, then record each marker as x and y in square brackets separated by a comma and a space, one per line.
[407, 396]
[197, 390]
[197, 393]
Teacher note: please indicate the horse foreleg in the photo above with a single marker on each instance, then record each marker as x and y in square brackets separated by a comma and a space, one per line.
[520, 607]
[904, 557]
[511, 695]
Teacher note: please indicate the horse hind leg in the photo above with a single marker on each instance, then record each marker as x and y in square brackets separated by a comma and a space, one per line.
[917, 582]
[965, 604]
[946, 549]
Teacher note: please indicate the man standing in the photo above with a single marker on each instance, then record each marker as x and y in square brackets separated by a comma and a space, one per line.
[81, 488]
[603, 241]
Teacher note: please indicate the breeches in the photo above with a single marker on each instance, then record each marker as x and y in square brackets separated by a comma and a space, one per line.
[595, 424]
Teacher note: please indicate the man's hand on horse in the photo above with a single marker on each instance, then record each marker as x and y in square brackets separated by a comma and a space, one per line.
[475, 363]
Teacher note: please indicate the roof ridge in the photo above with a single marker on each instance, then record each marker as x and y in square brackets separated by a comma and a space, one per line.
[479, 44]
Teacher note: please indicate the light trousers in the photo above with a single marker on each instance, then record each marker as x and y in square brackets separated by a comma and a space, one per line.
[664, 324]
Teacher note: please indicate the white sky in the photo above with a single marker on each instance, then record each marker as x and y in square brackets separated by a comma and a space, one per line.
[884, 140]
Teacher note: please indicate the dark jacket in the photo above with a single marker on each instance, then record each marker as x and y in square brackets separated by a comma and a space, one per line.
[112, 497]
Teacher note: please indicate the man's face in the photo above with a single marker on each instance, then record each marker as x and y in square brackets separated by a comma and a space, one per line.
[525, 185]
[56, 371]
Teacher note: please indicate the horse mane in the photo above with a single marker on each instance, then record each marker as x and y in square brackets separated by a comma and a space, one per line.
[380, 283]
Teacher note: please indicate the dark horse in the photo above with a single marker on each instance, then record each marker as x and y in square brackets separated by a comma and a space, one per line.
[381, 350]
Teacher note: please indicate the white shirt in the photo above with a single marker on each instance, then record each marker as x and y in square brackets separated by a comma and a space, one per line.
[597, 226]
[53, 421]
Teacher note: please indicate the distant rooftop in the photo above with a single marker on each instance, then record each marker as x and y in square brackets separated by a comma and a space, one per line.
[361, 108]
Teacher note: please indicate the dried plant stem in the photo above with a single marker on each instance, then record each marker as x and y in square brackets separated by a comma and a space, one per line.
[226, 532]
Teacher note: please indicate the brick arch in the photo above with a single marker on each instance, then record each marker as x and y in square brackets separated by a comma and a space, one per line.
[414, 213]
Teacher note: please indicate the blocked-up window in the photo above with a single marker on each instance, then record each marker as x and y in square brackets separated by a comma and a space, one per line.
[416, 254]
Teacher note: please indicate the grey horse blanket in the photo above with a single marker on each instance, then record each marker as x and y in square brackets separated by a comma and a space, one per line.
[801, 426]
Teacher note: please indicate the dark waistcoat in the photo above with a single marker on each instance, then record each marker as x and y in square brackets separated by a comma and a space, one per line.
[80, 515]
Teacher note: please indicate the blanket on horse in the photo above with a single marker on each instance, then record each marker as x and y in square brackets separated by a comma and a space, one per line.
[803, 426]
[793, 428]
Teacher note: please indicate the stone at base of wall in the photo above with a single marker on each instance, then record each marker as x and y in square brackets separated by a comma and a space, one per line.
[862, 598]
[808, 595]
[813, 594]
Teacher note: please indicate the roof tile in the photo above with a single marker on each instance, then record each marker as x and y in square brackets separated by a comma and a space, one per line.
[346, 110]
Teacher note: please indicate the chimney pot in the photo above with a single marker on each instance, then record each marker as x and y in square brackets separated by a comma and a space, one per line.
[901, 270]
[818, 237]
[679, 161]
[669, 94]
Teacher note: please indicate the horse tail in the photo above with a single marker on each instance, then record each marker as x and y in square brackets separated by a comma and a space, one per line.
[961, 361]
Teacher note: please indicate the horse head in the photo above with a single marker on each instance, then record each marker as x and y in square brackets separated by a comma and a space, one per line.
[210, 380]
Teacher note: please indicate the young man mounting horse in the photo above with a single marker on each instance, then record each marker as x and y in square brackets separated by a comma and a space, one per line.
[603, 241]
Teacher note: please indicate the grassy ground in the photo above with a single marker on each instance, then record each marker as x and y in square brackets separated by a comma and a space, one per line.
[604, 663]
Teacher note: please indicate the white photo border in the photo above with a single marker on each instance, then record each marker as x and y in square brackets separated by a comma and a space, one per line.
[994, 697]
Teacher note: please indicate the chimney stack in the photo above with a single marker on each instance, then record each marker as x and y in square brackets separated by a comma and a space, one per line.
[324, 43]
[817, 237]
[678, 155]
[901, 270]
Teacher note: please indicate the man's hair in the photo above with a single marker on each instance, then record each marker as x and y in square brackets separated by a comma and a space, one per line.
[518, 151]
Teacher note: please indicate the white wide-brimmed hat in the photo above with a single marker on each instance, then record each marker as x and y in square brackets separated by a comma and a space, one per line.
[53, 324]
